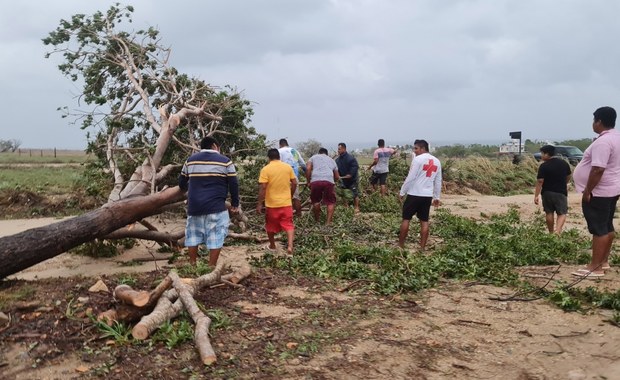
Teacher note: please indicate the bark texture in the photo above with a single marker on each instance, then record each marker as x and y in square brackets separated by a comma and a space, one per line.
[30, 247]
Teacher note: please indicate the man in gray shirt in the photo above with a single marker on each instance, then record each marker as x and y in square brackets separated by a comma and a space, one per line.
[322, 174]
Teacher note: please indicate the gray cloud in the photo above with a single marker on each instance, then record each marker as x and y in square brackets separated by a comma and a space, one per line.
[351, 70]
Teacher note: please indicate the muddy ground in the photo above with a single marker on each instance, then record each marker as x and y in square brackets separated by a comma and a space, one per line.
[278, 326]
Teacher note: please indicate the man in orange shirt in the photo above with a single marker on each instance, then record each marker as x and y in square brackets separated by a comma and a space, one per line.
[277, 183]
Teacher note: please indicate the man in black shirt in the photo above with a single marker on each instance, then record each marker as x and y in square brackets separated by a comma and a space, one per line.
[553, 175]
[348, 170]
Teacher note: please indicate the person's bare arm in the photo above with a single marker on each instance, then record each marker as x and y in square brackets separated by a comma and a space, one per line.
[596, 173]
[262, 190]
[538, 189]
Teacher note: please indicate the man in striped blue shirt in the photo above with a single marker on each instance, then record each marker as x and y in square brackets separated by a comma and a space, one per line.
[208, 177]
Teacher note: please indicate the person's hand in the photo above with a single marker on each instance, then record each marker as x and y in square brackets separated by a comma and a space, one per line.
[436, 203]
[234, 210]
[536, 200]
[259, 209]
[586, 197]
[400, 198]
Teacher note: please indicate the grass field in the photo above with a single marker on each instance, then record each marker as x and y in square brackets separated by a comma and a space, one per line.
[49, 156]
[48, 180]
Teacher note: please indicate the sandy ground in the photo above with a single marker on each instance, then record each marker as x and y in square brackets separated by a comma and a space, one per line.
[64, 265]
[457, 332]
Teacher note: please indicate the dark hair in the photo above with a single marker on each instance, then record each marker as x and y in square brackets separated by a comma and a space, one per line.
[548, 149]
[273, 154]
[283, 142]
[208, 142]
[381, 143]
[606, 115]
[343, 145]
[422, 144]
[322, 151]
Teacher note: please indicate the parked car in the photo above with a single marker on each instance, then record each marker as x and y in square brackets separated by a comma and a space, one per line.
[571, 153]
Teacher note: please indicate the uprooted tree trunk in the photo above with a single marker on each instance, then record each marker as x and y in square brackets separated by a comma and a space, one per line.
[165, 303]
[30, 247]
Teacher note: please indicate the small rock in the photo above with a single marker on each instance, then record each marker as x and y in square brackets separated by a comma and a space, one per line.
[291, 345]
[576, 374]
[98, 287]
[4, 319]
[83, 299]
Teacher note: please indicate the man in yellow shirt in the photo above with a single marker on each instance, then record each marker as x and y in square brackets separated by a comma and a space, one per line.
[277, 184]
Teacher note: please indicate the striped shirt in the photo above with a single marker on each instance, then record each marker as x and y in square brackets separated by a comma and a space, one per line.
[208, 176]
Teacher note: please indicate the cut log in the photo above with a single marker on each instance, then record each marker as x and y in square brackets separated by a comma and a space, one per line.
[126, 294]
[169, 306]
[239, 275]
[201, 333]
[30, 247]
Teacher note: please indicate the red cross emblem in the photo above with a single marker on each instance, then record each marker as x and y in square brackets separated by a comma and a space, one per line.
[430, 168]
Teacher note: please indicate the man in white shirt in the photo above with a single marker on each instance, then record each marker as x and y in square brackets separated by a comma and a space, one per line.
[423, 189]
[292, 157]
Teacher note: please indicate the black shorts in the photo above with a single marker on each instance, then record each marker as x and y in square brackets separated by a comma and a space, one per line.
[350, 186]
[599, 214]
[417, 205]
[380, 178]
[555, 202]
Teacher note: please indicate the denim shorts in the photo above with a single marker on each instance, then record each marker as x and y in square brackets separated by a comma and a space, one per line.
[210, 229]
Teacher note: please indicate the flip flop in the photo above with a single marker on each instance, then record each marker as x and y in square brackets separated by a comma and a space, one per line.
[587, 273]
[582, 269]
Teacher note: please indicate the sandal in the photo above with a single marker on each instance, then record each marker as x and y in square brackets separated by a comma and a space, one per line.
[587, 273]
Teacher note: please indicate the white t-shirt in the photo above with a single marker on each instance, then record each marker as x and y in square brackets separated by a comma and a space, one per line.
[424, 178]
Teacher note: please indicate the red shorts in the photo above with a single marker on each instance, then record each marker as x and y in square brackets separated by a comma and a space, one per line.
[279, 219]
[322, 191]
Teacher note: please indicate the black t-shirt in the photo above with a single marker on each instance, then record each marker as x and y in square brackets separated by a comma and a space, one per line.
[554, 172]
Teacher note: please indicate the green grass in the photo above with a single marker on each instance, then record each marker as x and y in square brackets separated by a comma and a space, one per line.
[49, 180]
[31, 156]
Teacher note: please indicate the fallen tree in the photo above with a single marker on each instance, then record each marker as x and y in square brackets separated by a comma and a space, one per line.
[144, 119]
[30, 247]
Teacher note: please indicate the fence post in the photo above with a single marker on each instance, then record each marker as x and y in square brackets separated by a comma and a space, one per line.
[54, 152]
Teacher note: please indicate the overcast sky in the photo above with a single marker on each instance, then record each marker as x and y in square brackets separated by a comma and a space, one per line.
[345, 70]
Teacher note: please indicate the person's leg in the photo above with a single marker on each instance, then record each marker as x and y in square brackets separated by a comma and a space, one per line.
[297, 206]
[272, 240]
[610, 242]
[559, 225]
[330, 214]
[549, 219]
[404, 230]
[193, 254]
[423, 234]
[356, 204]
[271, 226]
[316, 211]
[383, 183]
[600, 246]
[214, 254]
[290, 236]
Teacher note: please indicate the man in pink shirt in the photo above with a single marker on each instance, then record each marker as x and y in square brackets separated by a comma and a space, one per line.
[381, 165]
[598, 177]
